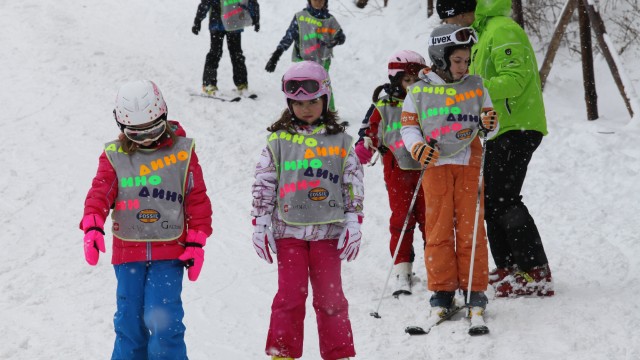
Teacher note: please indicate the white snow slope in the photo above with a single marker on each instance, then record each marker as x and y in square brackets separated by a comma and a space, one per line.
[61, 64]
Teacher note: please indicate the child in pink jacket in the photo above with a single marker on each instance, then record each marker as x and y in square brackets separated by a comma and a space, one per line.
[161, 219]
[307, 204]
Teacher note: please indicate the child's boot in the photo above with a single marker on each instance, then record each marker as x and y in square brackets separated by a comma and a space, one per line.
[537, 281]
[441, 303]
[475, 312]
[403, 273]
[242, 88]
[477, 325]
[209, 89]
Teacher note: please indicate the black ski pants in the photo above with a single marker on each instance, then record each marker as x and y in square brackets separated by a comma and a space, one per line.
[234, 44]
[513, 235]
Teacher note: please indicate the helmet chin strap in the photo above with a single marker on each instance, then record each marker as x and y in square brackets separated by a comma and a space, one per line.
[445, 74]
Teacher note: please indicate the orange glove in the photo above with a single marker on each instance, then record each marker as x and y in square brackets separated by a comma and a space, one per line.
[424, 154]
[488, 119]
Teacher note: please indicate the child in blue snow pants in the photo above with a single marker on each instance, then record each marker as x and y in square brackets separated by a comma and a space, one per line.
[148, 322]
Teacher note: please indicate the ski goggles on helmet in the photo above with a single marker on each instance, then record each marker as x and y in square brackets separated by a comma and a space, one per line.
[462, 36]
[409, 68]
[150, 133]
[307, 86]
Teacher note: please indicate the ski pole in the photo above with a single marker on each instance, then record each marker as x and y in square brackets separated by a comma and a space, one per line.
[397, 250]
[475, 224]
[375, 314]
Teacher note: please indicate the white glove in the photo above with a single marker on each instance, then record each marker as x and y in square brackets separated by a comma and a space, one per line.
[350, 238]
[368, 143]
[262, 236]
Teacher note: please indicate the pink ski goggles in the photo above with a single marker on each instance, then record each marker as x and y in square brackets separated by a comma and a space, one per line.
[307, 86]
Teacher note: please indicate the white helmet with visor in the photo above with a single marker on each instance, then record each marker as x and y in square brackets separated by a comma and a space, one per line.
[140, 111]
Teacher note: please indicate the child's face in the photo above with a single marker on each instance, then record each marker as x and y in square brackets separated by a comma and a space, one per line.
[307, 110]
[459, 59]
[317, 4]
[408, 80]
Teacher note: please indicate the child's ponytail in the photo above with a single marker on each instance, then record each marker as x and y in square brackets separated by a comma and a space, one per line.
[376, 93]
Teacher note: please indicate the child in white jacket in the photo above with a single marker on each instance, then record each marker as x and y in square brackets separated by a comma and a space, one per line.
[307, 204]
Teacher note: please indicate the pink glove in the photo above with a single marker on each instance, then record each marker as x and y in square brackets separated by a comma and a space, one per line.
[364, 151]
[93, 226]
[263, 238]
[350, 238]
[193, 254]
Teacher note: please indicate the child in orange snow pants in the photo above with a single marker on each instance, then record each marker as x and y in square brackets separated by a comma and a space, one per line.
[450, 196]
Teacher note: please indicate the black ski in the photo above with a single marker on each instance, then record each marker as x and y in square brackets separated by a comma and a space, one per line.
[417, 330]
[396, 294]
[217, 97]
[478, 330]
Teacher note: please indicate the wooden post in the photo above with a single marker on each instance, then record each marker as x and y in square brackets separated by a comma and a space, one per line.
[556, 39]
[429, 8]
[590, 94]
[516, 7]
[601, 32]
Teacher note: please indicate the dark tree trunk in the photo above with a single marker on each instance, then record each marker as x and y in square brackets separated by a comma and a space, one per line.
[516, 7]
[590, 94]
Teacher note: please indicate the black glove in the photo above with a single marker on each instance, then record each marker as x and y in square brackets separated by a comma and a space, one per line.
[361, 3]
[196, 27]
[256, 27]
[332, 43]
[271, 64]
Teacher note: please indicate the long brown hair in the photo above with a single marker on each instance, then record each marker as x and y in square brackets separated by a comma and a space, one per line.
[329, 118]
[131, 147]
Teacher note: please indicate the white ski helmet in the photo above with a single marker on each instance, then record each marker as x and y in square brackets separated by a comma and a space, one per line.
[139, 102]
[406, 61]
[446, 38]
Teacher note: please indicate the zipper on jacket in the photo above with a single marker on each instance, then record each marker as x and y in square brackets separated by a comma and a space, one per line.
[149, 251]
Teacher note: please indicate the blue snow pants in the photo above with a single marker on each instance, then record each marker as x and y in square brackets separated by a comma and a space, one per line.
[148, 321]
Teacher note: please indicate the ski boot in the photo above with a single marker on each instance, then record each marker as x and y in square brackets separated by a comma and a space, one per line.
[537, 282]
[242, 88]
[209, 89]
[476, 317]
[403, 279]
[498, 274]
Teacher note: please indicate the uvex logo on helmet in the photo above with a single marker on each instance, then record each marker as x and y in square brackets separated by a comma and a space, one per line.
[440, 40]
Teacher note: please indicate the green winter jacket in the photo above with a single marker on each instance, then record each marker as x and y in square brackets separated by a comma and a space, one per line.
[504, 58]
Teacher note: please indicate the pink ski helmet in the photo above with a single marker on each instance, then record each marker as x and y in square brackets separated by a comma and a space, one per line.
[306, 80]
[406, 61]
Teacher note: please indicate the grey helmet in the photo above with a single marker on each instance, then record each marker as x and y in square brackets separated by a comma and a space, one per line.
[446, 38]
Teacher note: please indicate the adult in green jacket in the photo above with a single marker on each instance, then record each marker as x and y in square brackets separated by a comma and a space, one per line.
[504, 58]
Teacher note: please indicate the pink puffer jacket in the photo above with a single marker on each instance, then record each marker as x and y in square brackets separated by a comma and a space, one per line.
[101, 198]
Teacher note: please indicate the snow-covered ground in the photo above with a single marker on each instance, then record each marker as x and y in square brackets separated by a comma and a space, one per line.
[61, 64]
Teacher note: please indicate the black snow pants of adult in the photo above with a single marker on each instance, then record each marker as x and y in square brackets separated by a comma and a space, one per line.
[513, 235]
[234, 44]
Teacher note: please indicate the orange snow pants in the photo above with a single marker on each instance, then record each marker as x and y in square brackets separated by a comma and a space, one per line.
[450, 193]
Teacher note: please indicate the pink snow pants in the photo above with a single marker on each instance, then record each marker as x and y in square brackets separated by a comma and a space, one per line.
[298, 262]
